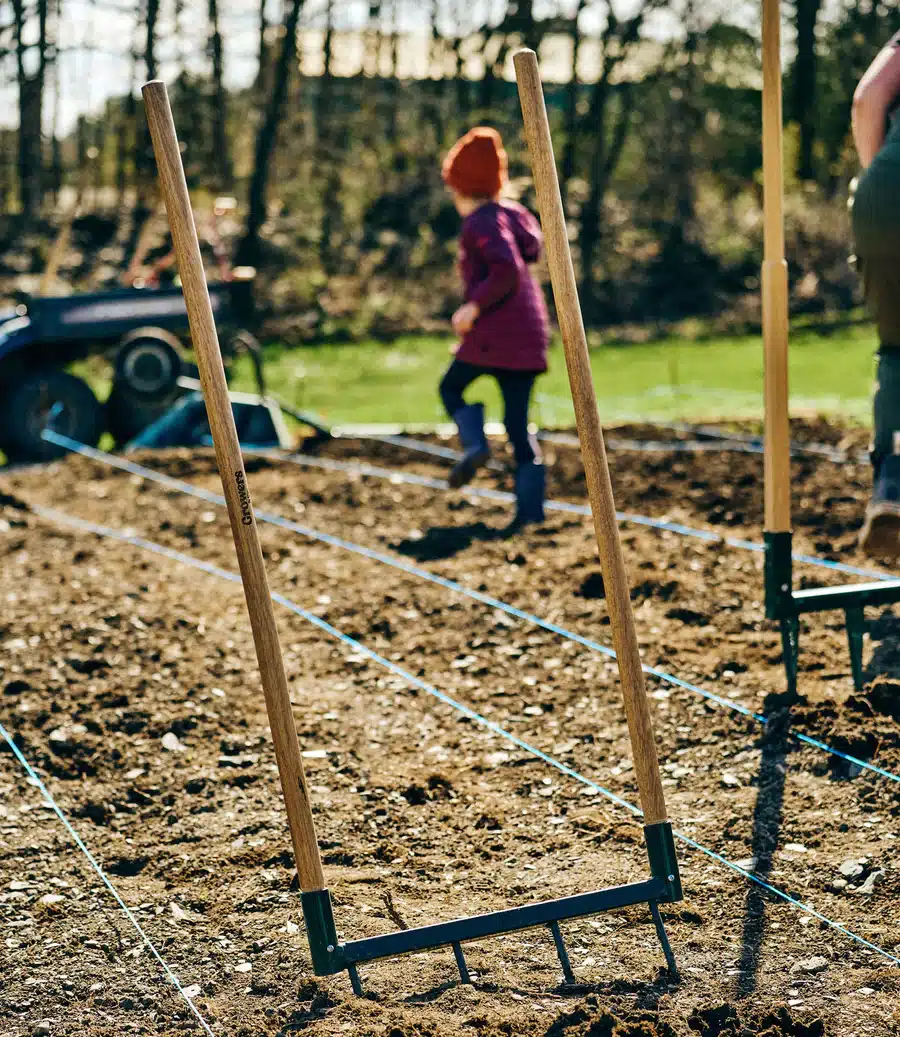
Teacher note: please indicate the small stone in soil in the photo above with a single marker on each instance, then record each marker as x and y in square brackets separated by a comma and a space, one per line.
[730, 781]
[851, 869]
[244, 966]
[192, 991]
[811, 965]
[41, 1030]
[871, 882]
[171, 743]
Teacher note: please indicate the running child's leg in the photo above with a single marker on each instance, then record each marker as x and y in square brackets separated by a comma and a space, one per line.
[469, 420]
[516, 387]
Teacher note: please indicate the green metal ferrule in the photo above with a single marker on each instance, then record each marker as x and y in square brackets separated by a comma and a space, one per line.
[778, 575]
[663, 858]
[326, 952]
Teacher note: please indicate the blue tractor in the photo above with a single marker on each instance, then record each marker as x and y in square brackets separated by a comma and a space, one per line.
[140, 330]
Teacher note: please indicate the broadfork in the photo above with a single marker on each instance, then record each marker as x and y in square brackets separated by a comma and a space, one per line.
[329, 954]
[783, 603]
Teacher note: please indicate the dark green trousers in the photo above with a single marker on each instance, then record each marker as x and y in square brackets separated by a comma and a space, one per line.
[876, 230]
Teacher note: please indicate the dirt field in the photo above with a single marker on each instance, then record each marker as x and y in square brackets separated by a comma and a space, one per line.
[129, 682]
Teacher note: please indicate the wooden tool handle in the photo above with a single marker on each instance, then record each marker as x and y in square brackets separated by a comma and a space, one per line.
[775, 284]
[593, 450]
[234, 483]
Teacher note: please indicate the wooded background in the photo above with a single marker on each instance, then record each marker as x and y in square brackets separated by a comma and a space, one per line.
[333, 147]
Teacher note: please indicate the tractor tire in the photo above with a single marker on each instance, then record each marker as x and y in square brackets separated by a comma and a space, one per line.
[26, 409]
[148, 363]
[127, 414]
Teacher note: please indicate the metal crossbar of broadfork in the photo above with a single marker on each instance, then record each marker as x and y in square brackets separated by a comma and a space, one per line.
[329, 954]
[783, 603]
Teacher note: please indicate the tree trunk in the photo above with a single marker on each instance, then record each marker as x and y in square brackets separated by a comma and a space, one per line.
[221, 153]
[373, 42]
[617, 40]
[393, 81]
[324, 104]
[31, 92]
[145, 163]
[262, 72]
[248, 253]
[805, 86]
[589, 232]
[127, 138]
[462, 84]
[436, 74]
[571, 135]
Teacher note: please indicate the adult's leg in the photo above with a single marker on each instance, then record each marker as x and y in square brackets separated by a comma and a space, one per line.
[516, 387]
[469, 420]
[880, 534]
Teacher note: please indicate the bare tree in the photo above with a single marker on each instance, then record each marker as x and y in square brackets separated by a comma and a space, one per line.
[262, 73]
[609, 118]
[570, 138]
[221, 151]
[248, 251]
[373, 39]
[324, 95]
[144, 160]
[805, 75]
[30, 161]
[456, 45]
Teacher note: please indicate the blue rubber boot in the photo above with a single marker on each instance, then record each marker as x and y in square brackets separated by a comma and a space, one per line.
[530, 481]
[470, 422]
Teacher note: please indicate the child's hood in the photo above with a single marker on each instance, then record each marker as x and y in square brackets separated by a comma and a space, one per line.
[526, 231]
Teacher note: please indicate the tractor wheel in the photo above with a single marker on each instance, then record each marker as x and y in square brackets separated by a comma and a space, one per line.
[148, 363]
[128, 414]
[28, 403]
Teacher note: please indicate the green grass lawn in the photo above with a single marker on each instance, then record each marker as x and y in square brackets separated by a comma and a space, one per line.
[831, 371]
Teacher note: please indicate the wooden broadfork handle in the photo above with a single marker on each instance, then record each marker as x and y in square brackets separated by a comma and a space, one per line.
[593, 450]
[234, 483]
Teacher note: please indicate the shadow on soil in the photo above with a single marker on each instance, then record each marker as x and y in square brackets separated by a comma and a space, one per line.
[442, 542]
[767, 818]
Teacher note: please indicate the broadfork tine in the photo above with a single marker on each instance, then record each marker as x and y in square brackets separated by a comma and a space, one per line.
[461, 963]
[562, 953]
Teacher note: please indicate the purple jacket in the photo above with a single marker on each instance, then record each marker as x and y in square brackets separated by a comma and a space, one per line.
[497, 243]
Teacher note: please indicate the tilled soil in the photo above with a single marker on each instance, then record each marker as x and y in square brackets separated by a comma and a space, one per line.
[128, 680]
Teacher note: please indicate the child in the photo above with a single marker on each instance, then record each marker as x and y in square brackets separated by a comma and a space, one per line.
[503, 323]
[876, 228]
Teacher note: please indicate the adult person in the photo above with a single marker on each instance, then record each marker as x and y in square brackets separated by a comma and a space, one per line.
[876, 230]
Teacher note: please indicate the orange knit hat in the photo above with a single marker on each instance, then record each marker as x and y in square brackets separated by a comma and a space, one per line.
[476, 164]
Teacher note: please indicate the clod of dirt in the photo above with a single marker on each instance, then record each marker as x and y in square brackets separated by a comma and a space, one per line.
[591, 1020]
[87, 667]
[415, 795]
[127, 867]
[688, 616]
[7, 500]
[592, 588]
[883, 696]
[726, 1021]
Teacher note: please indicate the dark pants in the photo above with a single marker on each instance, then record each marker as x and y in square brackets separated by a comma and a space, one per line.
[881, 283]
[516, 388]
